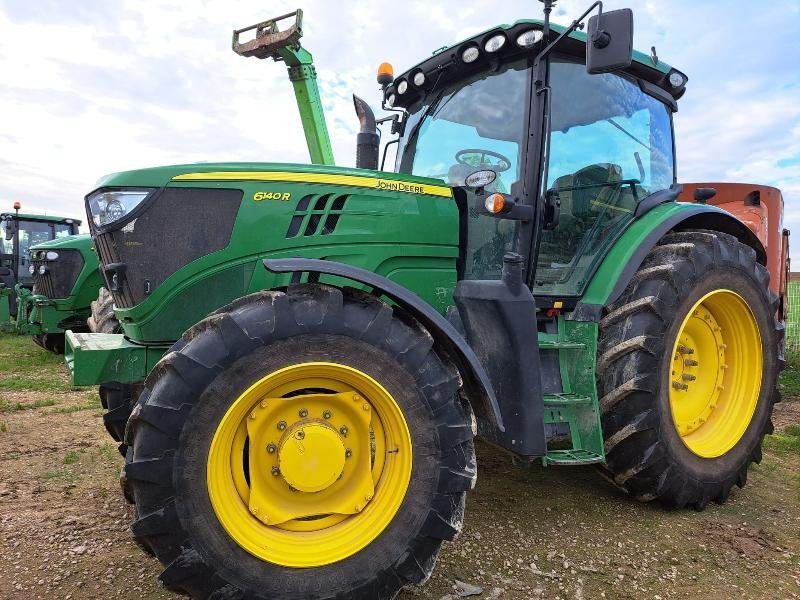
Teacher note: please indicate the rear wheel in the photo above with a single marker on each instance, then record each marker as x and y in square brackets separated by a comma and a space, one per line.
[688, 364]
[302, 445]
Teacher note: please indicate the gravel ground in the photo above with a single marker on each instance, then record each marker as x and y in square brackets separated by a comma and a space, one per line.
[536, 533]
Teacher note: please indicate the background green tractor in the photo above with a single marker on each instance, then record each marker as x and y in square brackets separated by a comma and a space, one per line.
[67, 293]
[317, 346]
[18, 233]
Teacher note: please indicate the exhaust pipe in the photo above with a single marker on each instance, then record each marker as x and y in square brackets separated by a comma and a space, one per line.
[367, 140]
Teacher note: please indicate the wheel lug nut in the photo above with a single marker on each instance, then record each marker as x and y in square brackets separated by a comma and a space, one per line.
[327, 414]
[271, 448]
[690, 362]
[281, 425]
[303, 413]
[275, 471]
[685, 349]
[343, 430]
[348, 453]
[300, 434]
[688, 377]
[679, 386]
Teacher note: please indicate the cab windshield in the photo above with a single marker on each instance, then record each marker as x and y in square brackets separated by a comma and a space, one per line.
[473, 125]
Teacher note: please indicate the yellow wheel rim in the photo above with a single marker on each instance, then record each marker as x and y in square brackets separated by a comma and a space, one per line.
[309, 465]
[716, 373]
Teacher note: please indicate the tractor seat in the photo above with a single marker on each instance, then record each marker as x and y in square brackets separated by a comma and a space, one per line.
[591, 192]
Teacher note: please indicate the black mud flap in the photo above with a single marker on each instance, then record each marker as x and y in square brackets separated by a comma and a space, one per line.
[499, 318]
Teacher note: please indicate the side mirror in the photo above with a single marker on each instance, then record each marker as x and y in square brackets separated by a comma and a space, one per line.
[11, 228]
[703, 195]
[609, 46]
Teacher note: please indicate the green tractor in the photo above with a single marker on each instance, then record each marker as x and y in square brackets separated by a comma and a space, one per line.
[67, 293]
[310, 350]
[50, 280]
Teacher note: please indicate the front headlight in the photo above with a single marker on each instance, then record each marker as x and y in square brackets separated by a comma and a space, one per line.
[51, 255]
[110, 206]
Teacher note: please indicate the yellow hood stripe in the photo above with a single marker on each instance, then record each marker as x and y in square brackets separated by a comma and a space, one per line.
[391, 185]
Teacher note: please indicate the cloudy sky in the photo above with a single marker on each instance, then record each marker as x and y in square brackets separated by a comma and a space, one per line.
[95, 86]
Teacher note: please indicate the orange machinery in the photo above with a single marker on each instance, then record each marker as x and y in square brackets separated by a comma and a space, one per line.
[760, 207]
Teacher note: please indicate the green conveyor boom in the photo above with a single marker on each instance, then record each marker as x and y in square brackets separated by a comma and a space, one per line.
[285, 46]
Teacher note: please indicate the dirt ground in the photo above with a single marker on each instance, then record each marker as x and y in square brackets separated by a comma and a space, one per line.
[549, 533]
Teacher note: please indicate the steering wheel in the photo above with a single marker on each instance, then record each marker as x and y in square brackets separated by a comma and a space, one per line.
[504, 163]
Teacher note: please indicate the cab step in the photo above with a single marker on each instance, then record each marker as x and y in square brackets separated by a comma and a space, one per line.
[560, 400]
[550, 344]
[572, 457]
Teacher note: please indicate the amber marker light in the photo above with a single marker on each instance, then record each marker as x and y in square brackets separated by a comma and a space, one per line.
[385, 74]
[17, 205]
[495, 203]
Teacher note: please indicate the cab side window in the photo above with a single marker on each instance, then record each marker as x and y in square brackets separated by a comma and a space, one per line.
[610, 147]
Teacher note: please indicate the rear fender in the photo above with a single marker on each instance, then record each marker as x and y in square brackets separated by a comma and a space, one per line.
[456, 348]
[629, 251]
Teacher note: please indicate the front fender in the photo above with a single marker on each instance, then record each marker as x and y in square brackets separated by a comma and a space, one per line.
[456, 347]
[629, 251]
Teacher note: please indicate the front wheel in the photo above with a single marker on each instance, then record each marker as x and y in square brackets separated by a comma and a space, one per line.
[302, 445]
[688, 365]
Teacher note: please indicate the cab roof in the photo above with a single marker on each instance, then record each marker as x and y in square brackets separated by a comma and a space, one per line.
[446, 65]
[35, 217]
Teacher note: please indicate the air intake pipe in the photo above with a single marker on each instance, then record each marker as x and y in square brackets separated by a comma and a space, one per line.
[367, 141]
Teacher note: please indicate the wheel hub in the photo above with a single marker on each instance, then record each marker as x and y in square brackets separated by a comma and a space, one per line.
[698, 370]
[715, 373]
[303, 465]
[311, 457]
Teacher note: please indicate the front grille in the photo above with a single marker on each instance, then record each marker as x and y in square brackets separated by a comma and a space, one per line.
[178, 227]
[60, 275]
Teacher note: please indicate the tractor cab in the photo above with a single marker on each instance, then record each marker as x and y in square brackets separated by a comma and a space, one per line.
[575, 146]
[18, 233]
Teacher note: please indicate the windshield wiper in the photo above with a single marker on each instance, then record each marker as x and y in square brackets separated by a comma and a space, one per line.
[628, 133]
[412, 135]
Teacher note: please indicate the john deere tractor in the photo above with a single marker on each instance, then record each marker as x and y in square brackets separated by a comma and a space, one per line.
[67, 293]
[51, 280]
[318, 346]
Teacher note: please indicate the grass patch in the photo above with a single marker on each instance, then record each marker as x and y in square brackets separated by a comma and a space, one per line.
[91, 404]
[108, 452]
[784, 442]
[24, 366]
[6, 406]
[789, 381]
[63, 474]
[71, 457]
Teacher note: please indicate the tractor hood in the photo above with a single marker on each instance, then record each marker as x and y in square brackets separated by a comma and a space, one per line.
[158, 177]
[178, 242]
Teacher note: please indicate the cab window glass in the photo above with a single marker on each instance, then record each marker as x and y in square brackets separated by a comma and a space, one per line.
[32, 233]
[7, 245]
[610, 147]
[473, 125]
[63, 230]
